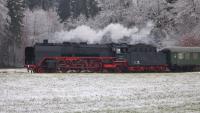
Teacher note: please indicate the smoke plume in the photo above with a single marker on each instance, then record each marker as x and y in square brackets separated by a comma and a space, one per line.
[113, 33]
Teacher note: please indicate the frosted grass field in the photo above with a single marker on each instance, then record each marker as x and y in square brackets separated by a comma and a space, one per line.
[21, 92]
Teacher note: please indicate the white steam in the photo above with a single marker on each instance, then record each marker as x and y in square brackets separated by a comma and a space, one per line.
[115, 33]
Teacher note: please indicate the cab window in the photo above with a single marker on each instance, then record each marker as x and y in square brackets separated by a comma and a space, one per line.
[118, 50]
[124, 50]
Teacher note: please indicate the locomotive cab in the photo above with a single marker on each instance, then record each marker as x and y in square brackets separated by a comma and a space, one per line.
[120, 51]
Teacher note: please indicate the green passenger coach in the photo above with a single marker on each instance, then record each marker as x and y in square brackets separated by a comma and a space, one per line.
[183, 58]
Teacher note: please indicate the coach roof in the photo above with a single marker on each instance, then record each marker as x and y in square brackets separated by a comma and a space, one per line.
[182, 49]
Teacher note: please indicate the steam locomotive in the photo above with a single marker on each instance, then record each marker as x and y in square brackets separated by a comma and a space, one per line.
[82, 57]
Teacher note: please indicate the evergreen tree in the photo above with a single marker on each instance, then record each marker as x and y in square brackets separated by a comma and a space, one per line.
[44, 4]
[64, 10]
[15, 24]
[3, 35]
[92, 8]
[74, 8]
[83, 7]
[15, 11]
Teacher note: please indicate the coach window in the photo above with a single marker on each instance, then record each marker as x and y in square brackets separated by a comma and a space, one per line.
[187, 56]
[175, 56]
[195, 56]
[180, 56]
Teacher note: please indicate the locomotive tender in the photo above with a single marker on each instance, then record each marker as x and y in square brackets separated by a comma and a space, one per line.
[82, 57]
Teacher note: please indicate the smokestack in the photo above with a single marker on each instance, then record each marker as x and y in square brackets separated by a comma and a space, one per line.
[45, 41]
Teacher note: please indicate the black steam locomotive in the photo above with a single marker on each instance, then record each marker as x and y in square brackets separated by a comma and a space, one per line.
[82, 57]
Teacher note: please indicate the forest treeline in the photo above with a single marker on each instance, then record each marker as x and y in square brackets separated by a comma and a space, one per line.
[25, 22]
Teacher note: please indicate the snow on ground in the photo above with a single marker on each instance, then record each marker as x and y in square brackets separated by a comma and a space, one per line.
[21, 70]
[22, 92]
